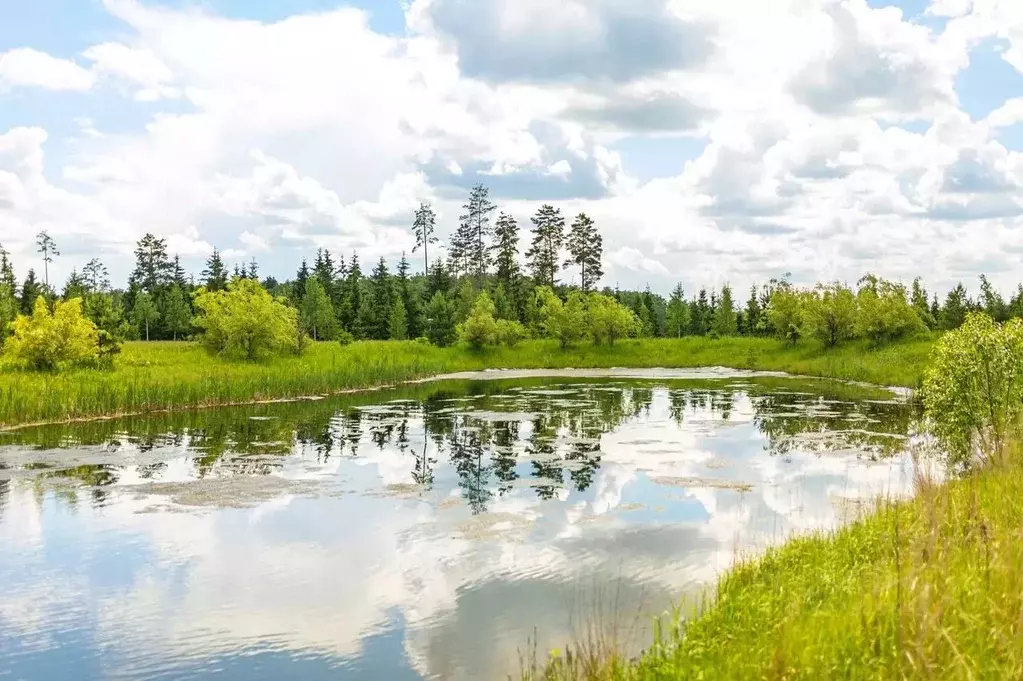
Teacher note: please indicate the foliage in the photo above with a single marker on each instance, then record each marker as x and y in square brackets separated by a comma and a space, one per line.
[586, 247]
[479, 329]
[440, 321]
[506, 250]
[144, 313]
[548, 236]
[345, 338]
[423, 227]
[468, 252]
[829, 314]
[317, 314]
[510, 333]
[725, 322]
[48, 341]
[677, 317]
[883, 311]
[566, 321]
[609, 320]
[246, 321]
[177, 316]
[784, 312]
[398, 320]
[973, 389]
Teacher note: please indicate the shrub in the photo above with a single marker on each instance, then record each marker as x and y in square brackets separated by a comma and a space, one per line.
[479, 329]
[246, 321]
[609, 320]
[884, 313]
[564, 321]
[785, 312]
[510, 333]
[50, 341]
[829, 314]
[345, 338]
[973, 388]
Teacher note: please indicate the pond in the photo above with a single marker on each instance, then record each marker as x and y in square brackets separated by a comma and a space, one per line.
[425, 532]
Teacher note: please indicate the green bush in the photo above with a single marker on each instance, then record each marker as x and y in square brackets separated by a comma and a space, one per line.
[510, 333]
[345, 338]
[479, 329]
[246, 321]
[567, 322]
[50, 341]
[609, 320]
[973, 388]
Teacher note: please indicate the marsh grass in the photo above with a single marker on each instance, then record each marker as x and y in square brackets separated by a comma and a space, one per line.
[927, 588]
[158, 376]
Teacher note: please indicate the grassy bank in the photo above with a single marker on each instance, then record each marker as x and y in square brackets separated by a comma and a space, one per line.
[929, 588]
[157, 376]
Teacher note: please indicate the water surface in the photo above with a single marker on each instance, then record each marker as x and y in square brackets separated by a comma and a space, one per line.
[419, 533]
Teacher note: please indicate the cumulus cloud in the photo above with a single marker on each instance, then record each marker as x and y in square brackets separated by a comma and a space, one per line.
[537, 41]
[26, 67]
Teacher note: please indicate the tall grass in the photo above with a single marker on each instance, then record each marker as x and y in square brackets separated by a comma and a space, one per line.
[930, 588]
[151, 377]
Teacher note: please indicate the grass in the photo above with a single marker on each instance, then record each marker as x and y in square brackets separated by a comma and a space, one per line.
[158, 376]
[930, 588]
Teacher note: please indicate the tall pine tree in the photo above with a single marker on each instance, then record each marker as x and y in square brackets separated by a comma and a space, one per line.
[548, 236]
[473, 233]
[423, 227]
[586, 248]
[506, 249]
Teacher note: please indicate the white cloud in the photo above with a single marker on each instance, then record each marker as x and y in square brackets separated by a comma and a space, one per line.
[26, 67]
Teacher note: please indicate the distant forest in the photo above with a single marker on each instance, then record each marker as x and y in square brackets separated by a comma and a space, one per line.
[336, 298]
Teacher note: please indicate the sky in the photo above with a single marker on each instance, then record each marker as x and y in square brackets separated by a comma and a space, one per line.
[712, 141]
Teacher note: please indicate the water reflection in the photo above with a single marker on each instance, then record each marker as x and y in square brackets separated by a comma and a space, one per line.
[419, 533]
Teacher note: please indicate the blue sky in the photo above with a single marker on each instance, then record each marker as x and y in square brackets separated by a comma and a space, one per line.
[733, 144]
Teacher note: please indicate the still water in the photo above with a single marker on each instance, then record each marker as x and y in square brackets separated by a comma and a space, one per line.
[428, 532]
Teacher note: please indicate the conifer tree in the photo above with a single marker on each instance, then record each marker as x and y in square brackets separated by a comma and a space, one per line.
[506, 249]
[423, 227]
[724, 323]
[177, 315]
[677, 313]
[214, 275]
[548, 236]
[380, 303]
[48, 247]
[398, 322]
[473, 231]
[30, 290]
[586, 248]
[301, 282]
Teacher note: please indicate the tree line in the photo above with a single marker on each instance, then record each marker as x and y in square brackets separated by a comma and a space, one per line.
[333, 299]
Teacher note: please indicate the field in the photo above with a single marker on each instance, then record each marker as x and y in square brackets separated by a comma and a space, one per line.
[158, 376]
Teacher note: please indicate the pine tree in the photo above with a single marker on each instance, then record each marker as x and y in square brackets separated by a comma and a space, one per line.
[381, 301]
[586, 248]
[506, 249]
[423, 227]
[548, 236]
[48, 247]
[153, 269]
[473, 231]
[95, 276]
[953, 314]
[298, 288]
[440, 321]
[678, 313]
[30, 290]
[725, 323]
[351, 299]
[751, 319]
[398, 320]
[214, 275]
[7, 277]
[177, 315]
[317, 313]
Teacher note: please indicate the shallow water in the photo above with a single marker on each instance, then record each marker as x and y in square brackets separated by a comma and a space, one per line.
[421, 533]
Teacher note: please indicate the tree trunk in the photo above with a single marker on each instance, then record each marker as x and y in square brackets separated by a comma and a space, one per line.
[147, 330]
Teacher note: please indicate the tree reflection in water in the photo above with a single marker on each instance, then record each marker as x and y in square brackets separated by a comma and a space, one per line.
[490, 433]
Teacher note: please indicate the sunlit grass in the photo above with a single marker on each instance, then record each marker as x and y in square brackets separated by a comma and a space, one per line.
[930, 588]
[157, 376]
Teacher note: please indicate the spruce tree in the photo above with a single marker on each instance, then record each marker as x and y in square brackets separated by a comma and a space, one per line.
[751, 319]
[586, 248]
[439, 321]
[153, 268]
[957, 304]
[381, 302]
[398, 320]
[214, 275]
[30, 290]
[7, 277]
[506, 249]
[678, 313]
[323, 269]
[301, 282]
[423, 227]
[408, 293]
[548, 236]
[351, 299]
